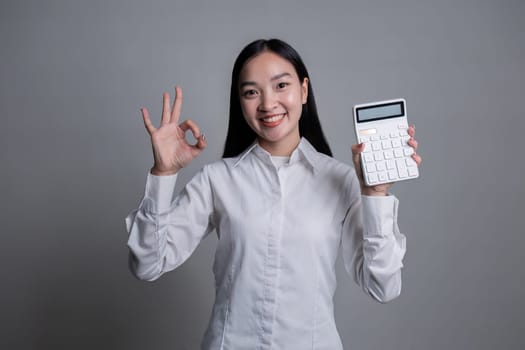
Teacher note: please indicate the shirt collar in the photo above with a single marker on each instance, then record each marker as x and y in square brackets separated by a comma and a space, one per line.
[245, 153]
[304, 152]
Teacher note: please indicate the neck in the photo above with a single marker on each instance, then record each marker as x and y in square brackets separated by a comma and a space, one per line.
[283, 148]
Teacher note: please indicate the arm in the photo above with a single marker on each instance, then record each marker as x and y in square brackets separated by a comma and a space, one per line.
[164, 233]
[373, 248]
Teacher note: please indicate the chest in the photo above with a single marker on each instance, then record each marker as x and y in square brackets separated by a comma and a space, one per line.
[297, 206]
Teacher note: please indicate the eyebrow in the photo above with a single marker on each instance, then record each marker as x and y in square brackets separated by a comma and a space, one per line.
[275, 77]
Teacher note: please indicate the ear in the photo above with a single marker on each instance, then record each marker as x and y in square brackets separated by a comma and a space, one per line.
[304, 91]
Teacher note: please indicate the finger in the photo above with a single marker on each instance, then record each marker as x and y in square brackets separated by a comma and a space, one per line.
[356, 151]
[165, 109]
[358, 148]
[197, 148]
[201, 142]
[417, 158]
[177, 105]
[147, 121]
[412, 130]
[356, 154]
[413, 143]
[191, 125]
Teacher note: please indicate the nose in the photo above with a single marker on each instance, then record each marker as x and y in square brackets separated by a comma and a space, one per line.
[268, 101]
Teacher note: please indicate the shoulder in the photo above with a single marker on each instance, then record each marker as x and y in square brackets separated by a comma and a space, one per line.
[337, 173]
[215, 167]
[329, 165]
[330, 162]
[321, 162]
[219, 169]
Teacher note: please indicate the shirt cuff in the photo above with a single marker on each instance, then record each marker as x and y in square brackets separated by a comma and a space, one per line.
[379, 214]
[159, 189]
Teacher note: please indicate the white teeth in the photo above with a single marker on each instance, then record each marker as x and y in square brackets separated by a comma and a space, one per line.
[273, 118]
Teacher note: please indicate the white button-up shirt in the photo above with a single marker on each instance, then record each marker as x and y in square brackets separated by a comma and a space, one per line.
[279, 232]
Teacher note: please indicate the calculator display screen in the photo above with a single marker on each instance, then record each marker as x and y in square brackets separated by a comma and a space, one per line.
[378, 112]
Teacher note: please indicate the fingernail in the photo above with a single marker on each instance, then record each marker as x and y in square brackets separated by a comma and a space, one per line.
[203, 137]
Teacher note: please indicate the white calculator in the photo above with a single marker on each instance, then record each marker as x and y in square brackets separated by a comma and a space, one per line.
[383, 126]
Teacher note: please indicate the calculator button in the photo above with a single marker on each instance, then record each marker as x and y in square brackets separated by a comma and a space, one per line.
[400, 163]
[409, 151]
[403, 133]
[398, 153]
[374, 138]
[372, 178]
[371, 168]
[388, 154]
[403, 173]
[396, 143]
[383, 137]
[412, 171]
[402, 126]
[378, 156]
[410, 162]
[376, 146]
[365, 138]
[393, 134]
[368, 157]
[382, 177]
[390, 164]
[385, 144]
[368, 148]
[380, 166]
[392, 175]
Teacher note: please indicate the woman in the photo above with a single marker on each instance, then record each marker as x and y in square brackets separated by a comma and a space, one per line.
[281, 207]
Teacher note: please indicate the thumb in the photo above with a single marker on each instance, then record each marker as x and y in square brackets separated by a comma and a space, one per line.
[356, 151]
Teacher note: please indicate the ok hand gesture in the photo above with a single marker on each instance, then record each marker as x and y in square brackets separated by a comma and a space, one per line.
[171, 151]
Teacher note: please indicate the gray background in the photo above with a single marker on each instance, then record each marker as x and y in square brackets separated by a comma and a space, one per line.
[75, 157]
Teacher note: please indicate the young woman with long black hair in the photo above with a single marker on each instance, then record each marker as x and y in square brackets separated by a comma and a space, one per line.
[281, 206]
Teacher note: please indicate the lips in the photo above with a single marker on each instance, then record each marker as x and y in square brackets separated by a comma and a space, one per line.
[273, 120]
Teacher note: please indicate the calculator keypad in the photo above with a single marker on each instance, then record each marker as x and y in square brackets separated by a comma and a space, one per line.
[387, 157]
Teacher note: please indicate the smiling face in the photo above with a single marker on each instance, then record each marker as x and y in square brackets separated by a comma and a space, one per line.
[271, 97]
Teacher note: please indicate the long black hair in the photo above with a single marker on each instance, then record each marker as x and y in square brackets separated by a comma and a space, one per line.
[240, 135]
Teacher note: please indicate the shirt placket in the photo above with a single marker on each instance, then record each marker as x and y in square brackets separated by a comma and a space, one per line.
[271, 264]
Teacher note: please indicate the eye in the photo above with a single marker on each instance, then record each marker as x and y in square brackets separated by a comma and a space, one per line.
[249, 93]
[282, 85]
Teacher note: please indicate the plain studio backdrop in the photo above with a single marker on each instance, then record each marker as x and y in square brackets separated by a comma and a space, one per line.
[75, 157]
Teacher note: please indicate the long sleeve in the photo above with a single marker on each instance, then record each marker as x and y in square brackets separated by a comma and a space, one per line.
[373, 247]
[164, 232]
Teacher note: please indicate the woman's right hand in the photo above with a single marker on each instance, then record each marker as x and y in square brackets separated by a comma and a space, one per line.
[171, 151]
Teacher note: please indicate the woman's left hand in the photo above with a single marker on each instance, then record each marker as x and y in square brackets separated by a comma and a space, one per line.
[381, 190]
